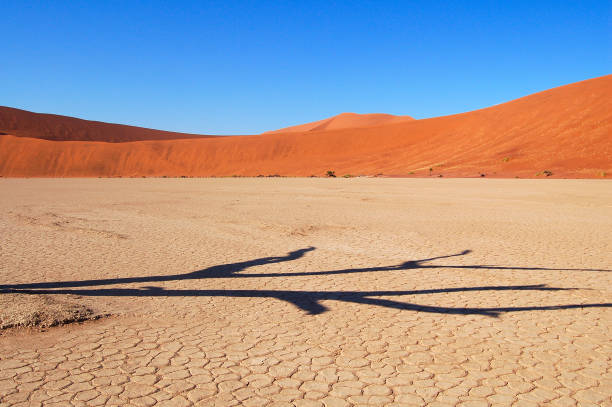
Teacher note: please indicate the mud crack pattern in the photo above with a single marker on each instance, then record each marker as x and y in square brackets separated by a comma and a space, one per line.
[311, 292]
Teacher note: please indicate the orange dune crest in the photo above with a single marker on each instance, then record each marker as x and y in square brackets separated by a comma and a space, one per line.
[22, 123]
[345, 121]
[562, 132]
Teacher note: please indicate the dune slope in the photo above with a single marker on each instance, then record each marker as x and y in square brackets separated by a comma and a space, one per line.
[63, 128]
[345, 121]
[565, 130]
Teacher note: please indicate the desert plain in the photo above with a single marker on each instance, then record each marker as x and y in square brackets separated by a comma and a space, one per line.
[308, 292]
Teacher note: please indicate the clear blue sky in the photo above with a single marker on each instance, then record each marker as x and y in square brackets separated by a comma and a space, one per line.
[236, 67]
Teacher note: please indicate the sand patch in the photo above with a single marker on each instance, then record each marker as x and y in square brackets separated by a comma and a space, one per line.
[20, 310]
[65, 223]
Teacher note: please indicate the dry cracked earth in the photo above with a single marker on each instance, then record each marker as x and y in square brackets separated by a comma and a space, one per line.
[310, 292]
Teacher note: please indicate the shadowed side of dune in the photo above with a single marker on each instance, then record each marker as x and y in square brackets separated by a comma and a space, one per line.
[22, 123]
[561, 132]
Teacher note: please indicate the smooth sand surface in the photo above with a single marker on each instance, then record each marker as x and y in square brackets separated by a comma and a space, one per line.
[22, 123]
[345, 121]
[566, 131]
[311, 292]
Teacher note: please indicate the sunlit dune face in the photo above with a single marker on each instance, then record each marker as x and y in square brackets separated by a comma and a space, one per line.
[562, 132]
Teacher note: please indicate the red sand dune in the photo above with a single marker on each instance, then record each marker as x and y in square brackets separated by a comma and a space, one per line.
[22, 123]
[345, 121]
[566, 130]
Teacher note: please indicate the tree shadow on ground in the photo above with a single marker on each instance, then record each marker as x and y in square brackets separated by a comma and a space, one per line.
[308, 301]
[231, 270]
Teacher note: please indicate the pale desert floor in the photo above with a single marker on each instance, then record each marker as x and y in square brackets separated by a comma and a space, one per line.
[311, 292]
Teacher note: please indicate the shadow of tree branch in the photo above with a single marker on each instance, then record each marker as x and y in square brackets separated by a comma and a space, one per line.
[309, 301]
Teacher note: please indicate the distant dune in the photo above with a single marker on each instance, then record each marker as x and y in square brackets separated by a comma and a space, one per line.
[565, 131]
[345, 121]
[22, 123]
